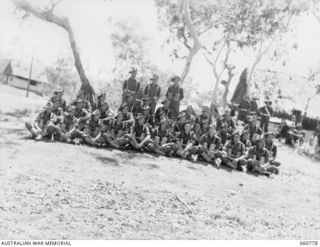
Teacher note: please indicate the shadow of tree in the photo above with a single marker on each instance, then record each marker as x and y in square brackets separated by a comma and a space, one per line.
[108, 160]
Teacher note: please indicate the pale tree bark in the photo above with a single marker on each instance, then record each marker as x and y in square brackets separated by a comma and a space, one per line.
[261, 52]
[63, 22]
[230, 69]
[196, 42]
[213, 62]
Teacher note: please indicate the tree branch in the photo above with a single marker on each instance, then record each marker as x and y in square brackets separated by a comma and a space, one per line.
[196, 42]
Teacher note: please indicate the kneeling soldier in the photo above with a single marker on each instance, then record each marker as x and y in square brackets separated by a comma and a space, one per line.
[210, 146]
[234, 153]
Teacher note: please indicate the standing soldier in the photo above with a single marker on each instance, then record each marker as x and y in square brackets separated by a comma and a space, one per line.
[244, 109]
[153, 91]
[130, 86]
[265, 113]
[175, 95]
[254, 105]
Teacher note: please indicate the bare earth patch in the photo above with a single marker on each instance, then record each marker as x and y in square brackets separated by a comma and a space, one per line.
[60, 191]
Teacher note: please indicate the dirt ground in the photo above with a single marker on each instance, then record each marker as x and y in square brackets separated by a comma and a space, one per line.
[62, 191]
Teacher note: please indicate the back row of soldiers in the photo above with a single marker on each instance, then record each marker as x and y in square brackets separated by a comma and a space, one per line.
[138, 125]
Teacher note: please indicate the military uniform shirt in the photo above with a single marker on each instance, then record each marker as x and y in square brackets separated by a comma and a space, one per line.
[257, 154]
[209, 140]
[273, 150]
[237, 150]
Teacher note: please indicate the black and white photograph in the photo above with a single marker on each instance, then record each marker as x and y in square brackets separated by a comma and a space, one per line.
[159, 120]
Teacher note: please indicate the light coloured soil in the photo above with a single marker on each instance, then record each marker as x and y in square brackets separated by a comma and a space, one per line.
[62, 191]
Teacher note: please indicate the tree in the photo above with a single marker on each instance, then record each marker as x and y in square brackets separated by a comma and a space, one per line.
[62, 74]
[186, 23]
[130, 48]
[47, 14]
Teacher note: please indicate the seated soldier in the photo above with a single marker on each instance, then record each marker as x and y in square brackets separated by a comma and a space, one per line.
[149, 118]
[283, 130]
[210, 147]
[128, 119]
[223, 134]
[253, 129]
[178, 126]
[53, 127]
[190, 115]
[160, 138]
[185, 141]
[258, 157]
[41, 121]
[139, 134]
[197, 131]
[137, 107]
[294, 134]
[101, 99]
[105, 111]
[86, 104]
[92, 129]
[82, 115]
[162, 112]
[227, 120]
[57, 99]
[67, 124]
[113, 133]
[272, 148]
[244, 138]
[234, 154]
[204, 117]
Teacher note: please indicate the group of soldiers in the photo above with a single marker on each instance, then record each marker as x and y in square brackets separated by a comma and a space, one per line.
[140, 125]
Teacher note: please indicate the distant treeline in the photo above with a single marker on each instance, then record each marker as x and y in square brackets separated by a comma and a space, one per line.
[308, 123]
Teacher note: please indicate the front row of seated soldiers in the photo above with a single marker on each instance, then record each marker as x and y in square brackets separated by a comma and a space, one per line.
[203, 138]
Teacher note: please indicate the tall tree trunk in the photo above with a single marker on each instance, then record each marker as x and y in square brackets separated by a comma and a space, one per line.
[226, 91]
[63, 22]
[196, 42]
[259, 56]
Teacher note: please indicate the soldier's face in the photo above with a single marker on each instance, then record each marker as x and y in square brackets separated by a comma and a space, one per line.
[187, 127]
[182, 119]
[236, 138]
[133, 73]
[212, 131]
[261, 144]
[269, 138]
[96, 117]
[197, 127]
[141, 121]
[125, 109]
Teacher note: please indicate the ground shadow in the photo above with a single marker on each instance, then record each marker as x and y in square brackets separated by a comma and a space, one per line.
[107, 160]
